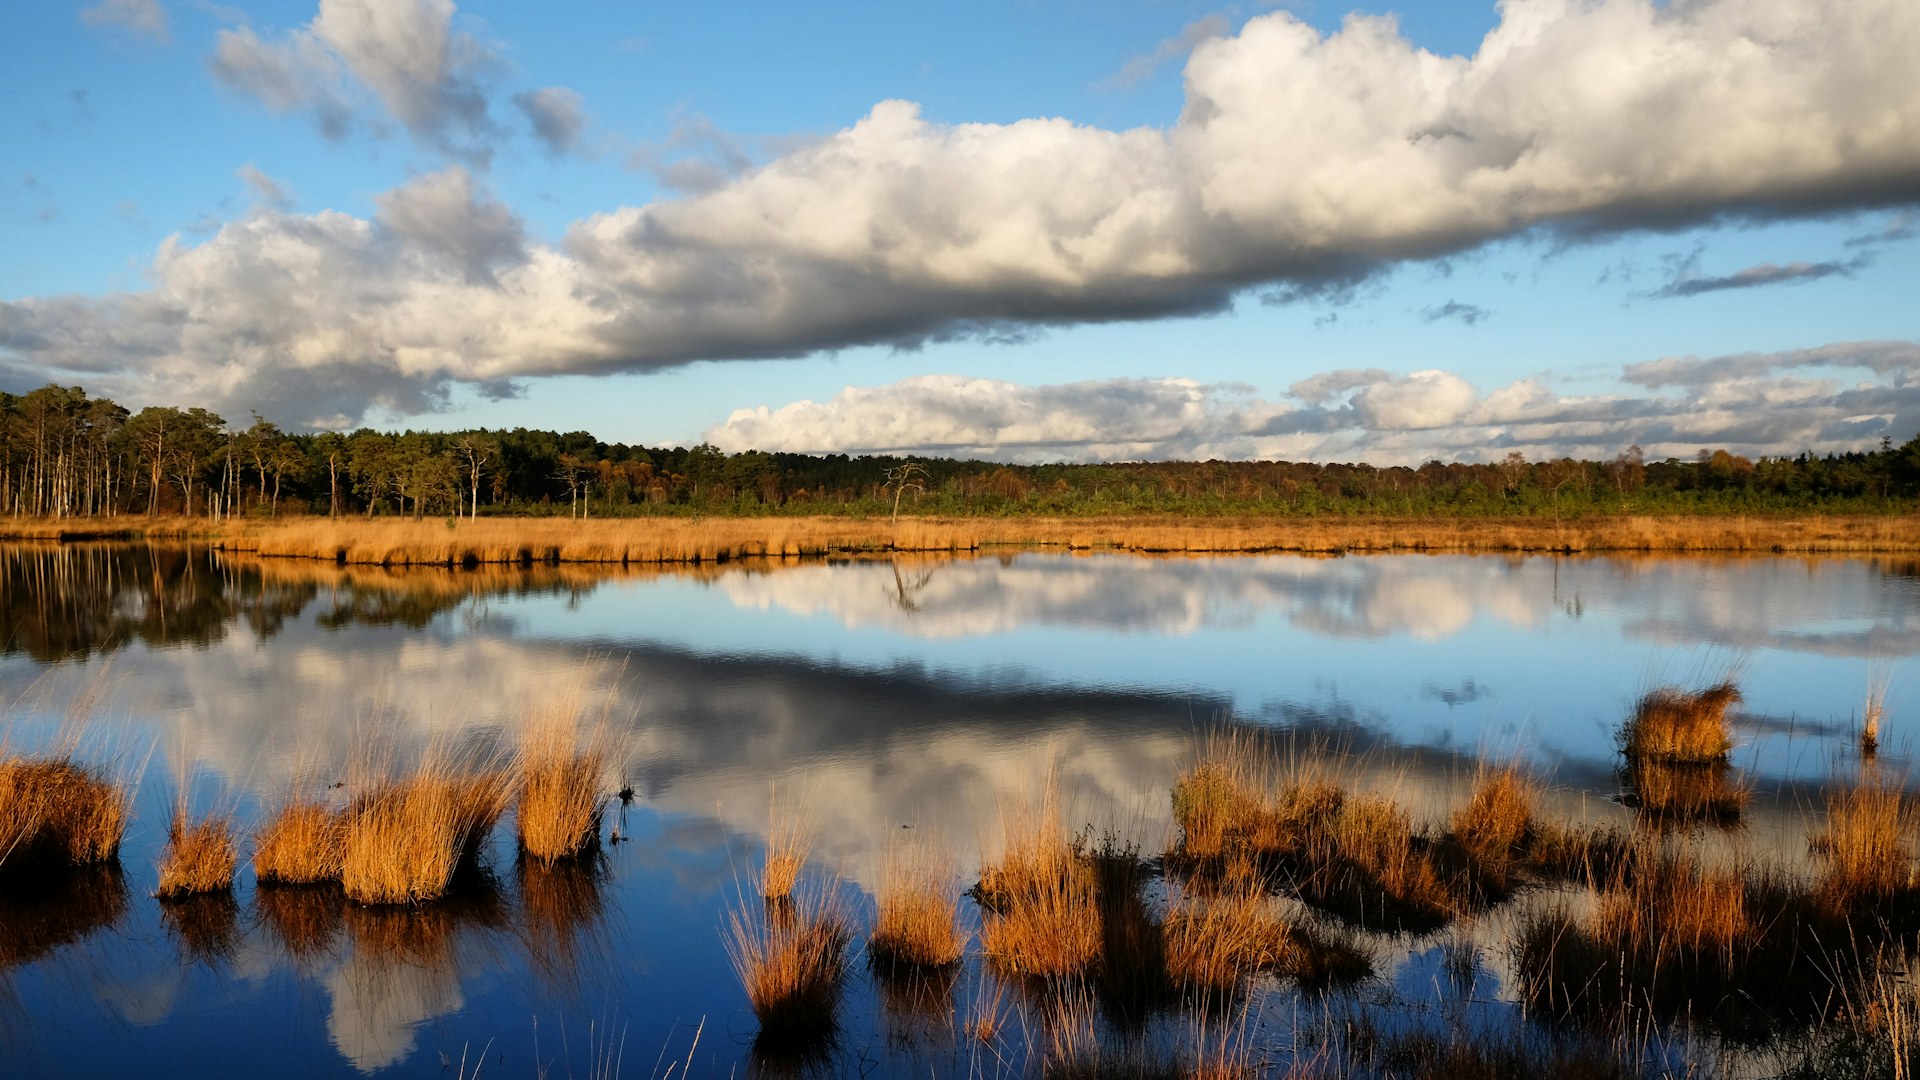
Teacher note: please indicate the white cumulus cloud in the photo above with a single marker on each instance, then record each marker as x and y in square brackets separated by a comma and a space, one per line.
[1299, 160]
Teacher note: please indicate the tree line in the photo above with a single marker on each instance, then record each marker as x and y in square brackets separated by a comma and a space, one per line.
[65, 454]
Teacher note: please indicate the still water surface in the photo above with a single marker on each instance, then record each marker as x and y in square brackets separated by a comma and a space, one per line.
[893, 693]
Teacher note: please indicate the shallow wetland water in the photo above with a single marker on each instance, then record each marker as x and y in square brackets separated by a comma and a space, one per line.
[884, 697]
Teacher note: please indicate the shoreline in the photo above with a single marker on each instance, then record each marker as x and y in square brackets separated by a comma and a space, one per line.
[663, 540]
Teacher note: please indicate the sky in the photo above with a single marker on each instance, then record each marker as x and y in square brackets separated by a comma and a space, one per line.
[1026, 231]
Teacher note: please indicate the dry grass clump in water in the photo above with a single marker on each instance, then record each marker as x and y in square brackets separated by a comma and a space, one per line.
[1866, 849]
[1496, 824]
[791, 968]
[1214, 939]
[402, 839]
[1370, 867]
[199, 857]
[560, 796]
[53, 810]
[918, 905]
[1670, 724]
[300, 843]
[789, 839]
[1041, 899]
[1871, 714]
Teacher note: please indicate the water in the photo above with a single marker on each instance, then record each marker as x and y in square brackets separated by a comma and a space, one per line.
[894, 694]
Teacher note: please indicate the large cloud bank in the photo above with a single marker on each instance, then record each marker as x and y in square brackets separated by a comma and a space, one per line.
[1832, 398]
[1299, 160]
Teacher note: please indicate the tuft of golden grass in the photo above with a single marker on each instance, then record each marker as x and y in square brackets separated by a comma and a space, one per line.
[1668, 901]
[56, 810]
[918, 906]
[1367, 865]
[1213, 940]
[199, 857]
[1496, 824]
[1046, 928]
[299, 843]
[1673, 725]
[789, 840]
[1872, 712]
[560, 796]
[792, 969]
[1042, 902]
[401, 841]
[1866, 849]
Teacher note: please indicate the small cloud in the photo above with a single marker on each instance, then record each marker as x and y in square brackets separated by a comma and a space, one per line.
[632, 46]
[1140, 68]
[695, 156]
[1900, 226]
[1471, 314]
[557, 116]
[265, 189]
[1689, 283]
[142, 18]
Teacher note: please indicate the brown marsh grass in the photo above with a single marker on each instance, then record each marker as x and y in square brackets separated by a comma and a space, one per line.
[402, 840]
[56, 811]
[300, 842]
[1213, 939]
[1866, 848]
[1497, 823]
[199, 856]
[792, 969]
[390, 541]
[1674, 725]
[560, 798]
[917, 908]
[1041, 899]
[789, 841]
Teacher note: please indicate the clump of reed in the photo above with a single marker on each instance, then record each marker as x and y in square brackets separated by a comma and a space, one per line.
[917, 908]
[1872, 712]
[1740, 945]
[1216, 937]
[402, 840]
[1685, 794]
[1371, 867]
[792, 968]
[1584, 854]
[1866, 848]
[1674, 725]
[1496, 824]
[789, 841]
[1041, 900]
[300, 842]
[55, 811]
[199, 856]
[560, 796]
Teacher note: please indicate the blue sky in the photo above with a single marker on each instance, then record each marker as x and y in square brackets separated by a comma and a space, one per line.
[1099, 231]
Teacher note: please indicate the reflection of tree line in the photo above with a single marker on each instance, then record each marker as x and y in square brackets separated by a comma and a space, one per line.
[68, 602]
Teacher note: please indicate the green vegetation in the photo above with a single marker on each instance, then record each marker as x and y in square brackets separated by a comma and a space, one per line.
[63, 454]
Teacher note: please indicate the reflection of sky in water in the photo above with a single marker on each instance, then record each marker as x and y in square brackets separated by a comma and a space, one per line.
[1555, 649]
[908, 694]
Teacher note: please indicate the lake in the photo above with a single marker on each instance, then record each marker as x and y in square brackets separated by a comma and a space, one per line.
[886, 696]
